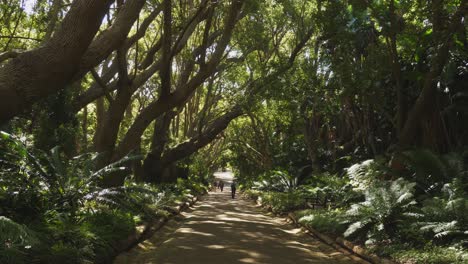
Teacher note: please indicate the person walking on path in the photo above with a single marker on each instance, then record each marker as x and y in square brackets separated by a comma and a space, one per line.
[215, 185]
[221, 185]
[233, 190]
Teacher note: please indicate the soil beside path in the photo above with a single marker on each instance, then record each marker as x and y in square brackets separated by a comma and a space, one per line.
[221, 230]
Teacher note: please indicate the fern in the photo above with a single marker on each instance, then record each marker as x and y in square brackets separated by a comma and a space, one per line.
[446, 219]
[363, 175]
[276, 180]
[385, 206]
[431, 171]
[51, 181]
[15, 241]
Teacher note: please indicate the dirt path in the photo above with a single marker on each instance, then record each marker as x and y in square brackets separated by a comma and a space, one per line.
[221, 230]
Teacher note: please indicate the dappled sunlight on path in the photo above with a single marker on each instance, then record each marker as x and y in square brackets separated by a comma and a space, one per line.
[219, 229]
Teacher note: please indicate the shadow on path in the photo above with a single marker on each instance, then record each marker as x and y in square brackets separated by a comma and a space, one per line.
[219, 229]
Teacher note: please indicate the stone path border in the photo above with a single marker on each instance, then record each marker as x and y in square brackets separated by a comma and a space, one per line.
[344, 244]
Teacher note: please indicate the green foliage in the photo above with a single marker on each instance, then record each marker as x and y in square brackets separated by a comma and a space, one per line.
[68, 217]
[325, 221]
[326, 187]
[65, 240]
[283, 202]
[445, 219]
[426, 255]
[35, 182]
[363, 175]
[276, 180]
[191, 186]
[431, 171]
[16, 241]
[109, 226]
[380, 216]
[252, 194]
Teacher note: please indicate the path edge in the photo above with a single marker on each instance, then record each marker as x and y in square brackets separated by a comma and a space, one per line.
[354, 251]
[147, 230]
[341, 243]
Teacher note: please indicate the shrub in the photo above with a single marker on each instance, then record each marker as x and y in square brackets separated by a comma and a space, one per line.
[363, 175]
[252, 194]
[387, 206]
[276, 180]
[445, 219]
[326, 221]
[425, 255]
[283, 202]
[36, 182]
[110, 225]
[64, 240]
[16, 241]
[431, 171]
[191, 186]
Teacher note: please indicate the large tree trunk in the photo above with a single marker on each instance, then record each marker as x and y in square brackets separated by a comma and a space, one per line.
[151, 164]
[180, 95]
[424, 106]
[312, 138]
[37, 73]
[160, 168]
[112, 38]
[396, 70]
[212, 131]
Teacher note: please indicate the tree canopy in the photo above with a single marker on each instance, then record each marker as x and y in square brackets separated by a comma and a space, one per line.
[173, 89]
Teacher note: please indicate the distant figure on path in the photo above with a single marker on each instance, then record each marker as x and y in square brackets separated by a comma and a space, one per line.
[215, 185]
[233, 189]
[221, 185]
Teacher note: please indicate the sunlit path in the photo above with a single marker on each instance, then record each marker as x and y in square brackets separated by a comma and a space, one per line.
[221, 230]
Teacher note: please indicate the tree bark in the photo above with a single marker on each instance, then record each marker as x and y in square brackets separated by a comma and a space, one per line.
[35, 74]
[155, 166]
[396, 70]
[151, 163]
[188, 148]
[180, 95]
[53, 18]
[112, 38]
[428, 96]
[165, 72]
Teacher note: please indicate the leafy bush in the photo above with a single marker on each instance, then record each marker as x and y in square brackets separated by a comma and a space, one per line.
[386, 207]
[445, 218]
[252, 194]
[326, 221]
[276, 180]
[283, 202]
[431, 171]
[65, 240]
[425, 255]
[110, 225]
[69, 217]
[35, 182]
[363, 175]
[16, 241]
[191, 186]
